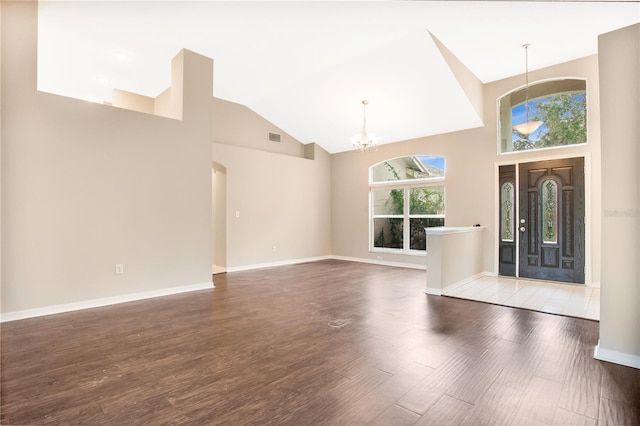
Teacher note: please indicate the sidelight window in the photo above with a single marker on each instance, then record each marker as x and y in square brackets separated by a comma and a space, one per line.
[507, 205]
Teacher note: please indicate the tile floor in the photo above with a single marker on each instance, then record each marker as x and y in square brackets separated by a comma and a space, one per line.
[563, 299]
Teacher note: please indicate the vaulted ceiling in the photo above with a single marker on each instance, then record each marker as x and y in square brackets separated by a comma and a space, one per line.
[306, 66]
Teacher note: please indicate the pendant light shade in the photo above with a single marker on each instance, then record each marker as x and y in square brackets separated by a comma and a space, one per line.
[527, 127]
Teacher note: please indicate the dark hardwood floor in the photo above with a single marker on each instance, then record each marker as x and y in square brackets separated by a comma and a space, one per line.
[329, 342]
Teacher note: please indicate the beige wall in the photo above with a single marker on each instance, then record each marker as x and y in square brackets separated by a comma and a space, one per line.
[350, 208]
[87, 186]
[471, 158]
[281, 201]
[236, 124]
[280, 190]
[619, 59]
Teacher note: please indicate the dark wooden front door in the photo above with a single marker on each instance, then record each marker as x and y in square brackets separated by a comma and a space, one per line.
[551, 220]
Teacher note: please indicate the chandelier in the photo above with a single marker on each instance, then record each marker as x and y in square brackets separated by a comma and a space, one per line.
[364, 141]
[527, 127]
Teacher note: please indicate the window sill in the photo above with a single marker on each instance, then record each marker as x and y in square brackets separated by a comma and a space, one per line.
[399, 251]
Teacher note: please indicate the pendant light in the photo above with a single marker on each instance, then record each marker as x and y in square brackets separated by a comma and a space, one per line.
[527, 127]
[364, 141]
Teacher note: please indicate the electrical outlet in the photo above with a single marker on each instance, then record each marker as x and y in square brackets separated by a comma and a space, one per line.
[275, 249]
[119, 269]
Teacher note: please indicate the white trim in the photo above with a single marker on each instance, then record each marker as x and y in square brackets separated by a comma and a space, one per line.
[541, 81]
[400, 252]
[381, 262]
[446, 230]
[588, 220]
[545, 148]
[407, 183]
[444, 291]
[622, 358]
[105, 301]
[279, 263]
[318, 258]
[463, 281]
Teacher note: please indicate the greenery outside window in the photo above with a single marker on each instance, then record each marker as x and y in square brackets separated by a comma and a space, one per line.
[561, 105]
[407, 196]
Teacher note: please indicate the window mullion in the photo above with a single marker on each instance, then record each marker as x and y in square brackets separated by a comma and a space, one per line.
[406, 234]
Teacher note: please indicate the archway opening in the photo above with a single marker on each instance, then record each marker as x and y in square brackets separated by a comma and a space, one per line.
[219, 218]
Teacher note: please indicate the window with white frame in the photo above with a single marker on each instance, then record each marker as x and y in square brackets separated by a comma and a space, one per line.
[560, 108]
[407, 195]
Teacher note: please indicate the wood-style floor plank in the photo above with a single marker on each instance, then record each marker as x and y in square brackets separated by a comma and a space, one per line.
[496, 407]
[446, 411]
[569, 418]
[376, 402]
[397, 416]
[329, 342]
[539, 402]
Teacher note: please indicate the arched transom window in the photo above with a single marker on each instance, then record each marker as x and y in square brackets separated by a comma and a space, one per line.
[560, 106]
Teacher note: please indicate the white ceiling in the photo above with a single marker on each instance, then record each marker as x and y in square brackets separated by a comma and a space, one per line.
[306, 66]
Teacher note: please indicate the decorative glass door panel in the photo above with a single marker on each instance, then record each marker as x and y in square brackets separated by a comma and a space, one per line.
[551, 219]
[507, 231]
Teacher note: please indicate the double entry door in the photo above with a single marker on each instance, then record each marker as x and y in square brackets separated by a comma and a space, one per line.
[542, 227]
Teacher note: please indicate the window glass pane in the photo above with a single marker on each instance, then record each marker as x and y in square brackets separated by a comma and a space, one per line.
[408, 168]
[387, 232]
[564, 119]
[427, 200]
[507, 206]
[549, 212]
[388, 202]
[417, 232]
[561, 108]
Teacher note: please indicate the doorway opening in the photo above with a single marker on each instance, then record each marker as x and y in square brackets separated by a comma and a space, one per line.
[541, 220]
[219, 218]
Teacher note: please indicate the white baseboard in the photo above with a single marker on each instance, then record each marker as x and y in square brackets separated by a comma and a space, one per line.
[315, 259]
[622, 358]
[381, 262]
[464, 281]
[95, 303]
[440, 292]
[279, 263]
[433, 291]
